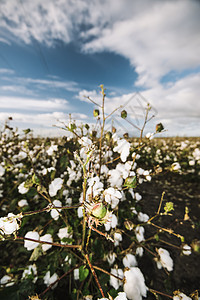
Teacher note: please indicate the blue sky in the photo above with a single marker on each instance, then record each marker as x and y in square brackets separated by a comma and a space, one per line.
[53, 53]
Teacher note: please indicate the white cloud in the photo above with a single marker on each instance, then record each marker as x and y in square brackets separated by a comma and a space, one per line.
[176, 104]
[32, 104]
[163, 37]
[6, 71]
[156, 36]
[40, 120]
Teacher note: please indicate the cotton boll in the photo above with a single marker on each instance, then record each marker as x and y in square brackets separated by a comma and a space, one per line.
[181, 296]
[134, 285]
[29, 272]
[139, 232]
[30, 245]
[114, 282]
[22, 189]
[55, 186]
[111, 258]
[121, 296]
[129, 260]
[117, 238]
[164, 260]
[143, 217]
[55, 212]
[22, 203]
[111, 223]
[186, 250]
[48, 279]
[76, 274]
[138, 197]
[46, 238]
[139, 251]
[6, 281]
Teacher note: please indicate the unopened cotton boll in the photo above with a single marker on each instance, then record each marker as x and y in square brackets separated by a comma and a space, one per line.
[134, 285]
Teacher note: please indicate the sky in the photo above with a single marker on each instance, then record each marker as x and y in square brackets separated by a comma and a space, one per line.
[56, 54]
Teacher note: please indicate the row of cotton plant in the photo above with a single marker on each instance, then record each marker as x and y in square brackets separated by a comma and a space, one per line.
[71, 215]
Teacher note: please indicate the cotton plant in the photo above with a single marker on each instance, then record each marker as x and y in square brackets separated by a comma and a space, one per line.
[91, 220]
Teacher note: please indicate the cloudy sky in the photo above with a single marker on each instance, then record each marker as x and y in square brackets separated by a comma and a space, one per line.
[53, 54]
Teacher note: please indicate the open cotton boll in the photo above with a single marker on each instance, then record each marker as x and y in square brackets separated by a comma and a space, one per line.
[181, 296]
[30, 272]
[123, 147]
[22, 189]
[139, 232]
[111, 223]
[46, 238]
[55, 212]
[114, 282]
[111, 257]
[117, 238]
[112, 197]
[6, 281]
[129, 260]
[30, 245]
[186, 250]
[22, 203]
[9, 224]
[143, 217]
[121, 296]
[48, 279]
[164, 260]
[55, 186]
[134, 285]
[115, 178]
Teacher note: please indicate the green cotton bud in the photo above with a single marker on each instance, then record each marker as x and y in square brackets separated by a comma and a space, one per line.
[87, 126]
[123, 114]
[99, 211]
[131, 182]
[108, 135]
[72, 126]
[113, 129]
[159, 127]
[95, 113]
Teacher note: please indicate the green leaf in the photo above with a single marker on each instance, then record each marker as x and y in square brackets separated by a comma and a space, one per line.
[169, 206]
[83, 273]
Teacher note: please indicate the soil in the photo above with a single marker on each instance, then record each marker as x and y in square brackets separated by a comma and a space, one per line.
[183, 191]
